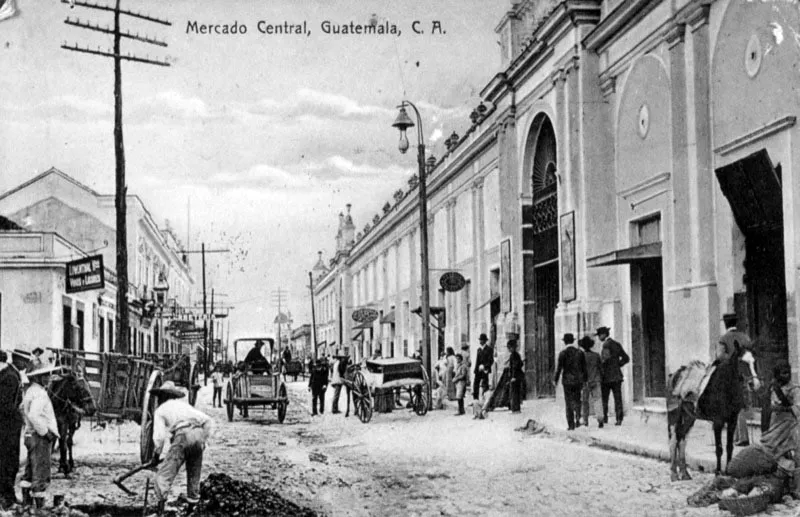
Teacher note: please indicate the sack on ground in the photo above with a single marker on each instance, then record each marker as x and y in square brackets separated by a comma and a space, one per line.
[752, 461]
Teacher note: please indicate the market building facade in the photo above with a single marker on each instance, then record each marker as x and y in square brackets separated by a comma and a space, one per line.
[611, 177]
[64, 220]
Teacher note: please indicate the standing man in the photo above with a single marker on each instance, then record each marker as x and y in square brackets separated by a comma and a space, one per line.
[728, 343]
[41, 430]
[317, 384]
[573, 364]
[591, 398]
[613, 358]
[336, 381]
[483, 366]
[10, 415]
[179, 435]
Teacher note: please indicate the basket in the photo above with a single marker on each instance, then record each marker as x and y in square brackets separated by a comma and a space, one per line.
[745, 505]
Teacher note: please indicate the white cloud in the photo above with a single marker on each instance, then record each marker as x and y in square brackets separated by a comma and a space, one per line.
[436, 135]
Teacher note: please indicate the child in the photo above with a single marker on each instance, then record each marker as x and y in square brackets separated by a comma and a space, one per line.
[460, 380]
[217, 380]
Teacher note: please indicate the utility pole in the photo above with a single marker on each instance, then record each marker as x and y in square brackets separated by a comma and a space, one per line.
[119, 148]
[313, 316]
[277, 297]
[211, 344]
[206, 353]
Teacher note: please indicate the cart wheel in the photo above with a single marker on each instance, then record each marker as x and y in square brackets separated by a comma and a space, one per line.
[422, 399]
[146, 445]
[282, 405]
[193, 386]
[362, 398]
[229, 400]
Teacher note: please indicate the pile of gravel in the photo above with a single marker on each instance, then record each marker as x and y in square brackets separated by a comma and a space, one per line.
[223, 496]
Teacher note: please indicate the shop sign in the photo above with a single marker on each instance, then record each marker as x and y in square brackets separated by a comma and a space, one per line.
[85, 274]
[452, 281]
[365, 315]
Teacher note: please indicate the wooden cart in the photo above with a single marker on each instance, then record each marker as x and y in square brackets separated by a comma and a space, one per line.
[389, 373]
[120, 386]
[256, 388]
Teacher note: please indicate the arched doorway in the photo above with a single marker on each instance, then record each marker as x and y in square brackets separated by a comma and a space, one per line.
[540, 259]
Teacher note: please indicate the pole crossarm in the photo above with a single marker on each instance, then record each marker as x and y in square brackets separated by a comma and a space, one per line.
[100, 7]
[106, 30]
[107, 53]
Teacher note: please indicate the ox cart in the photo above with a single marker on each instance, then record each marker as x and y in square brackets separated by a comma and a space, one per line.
[255, 385]
[120, 386]
[384, 376]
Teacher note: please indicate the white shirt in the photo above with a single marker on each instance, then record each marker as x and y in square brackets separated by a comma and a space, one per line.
[173, 414]
[38, 411]
[217, 379]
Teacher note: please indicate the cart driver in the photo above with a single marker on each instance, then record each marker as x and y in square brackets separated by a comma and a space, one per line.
[256, 361]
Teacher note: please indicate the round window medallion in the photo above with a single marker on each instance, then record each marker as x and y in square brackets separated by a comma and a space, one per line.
[644, 120]
[752, 56]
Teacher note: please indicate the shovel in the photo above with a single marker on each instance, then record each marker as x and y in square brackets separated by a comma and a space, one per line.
[119, 479]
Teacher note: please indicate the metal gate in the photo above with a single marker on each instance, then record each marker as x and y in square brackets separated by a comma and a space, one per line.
[546, 282]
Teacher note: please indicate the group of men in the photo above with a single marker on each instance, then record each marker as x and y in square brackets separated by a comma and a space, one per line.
[179, 432]
[589, 378]
[25, 407]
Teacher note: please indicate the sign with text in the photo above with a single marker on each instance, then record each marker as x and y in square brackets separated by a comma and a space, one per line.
[452, 281]
[85, 274]
[365, 315]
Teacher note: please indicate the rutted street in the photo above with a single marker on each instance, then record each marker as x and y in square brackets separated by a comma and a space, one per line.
[401, 464]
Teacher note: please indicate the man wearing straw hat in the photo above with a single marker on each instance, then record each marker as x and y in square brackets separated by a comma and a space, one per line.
[41, 430]
[179, 434]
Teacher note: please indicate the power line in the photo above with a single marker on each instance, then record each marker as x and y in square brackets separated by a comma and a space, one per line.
[121, 190]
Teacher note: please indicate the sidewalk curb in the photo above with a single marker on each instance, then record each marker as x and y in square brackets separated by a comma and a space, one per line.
[616, 445]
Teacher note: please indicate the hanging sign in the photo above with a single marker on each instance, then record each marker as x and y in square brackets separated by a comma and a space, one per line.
[452, 281]
[365, 315]
[85, 274]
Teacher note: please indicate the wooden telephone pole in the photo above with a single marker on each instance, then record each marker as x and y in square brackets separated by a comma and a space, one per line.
[119, 148]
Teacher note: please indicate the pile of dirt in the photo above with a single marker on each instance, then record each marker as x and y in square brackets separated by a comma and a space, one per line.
[223, 496]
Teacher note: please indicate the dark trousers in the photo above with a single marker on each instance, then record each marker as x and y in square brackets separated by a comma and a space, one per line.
[572, 399]
[9, 459]
[481, 380]
[317, 395]
[461, 406]
[337, 391]
[616, 388]
[217, 397]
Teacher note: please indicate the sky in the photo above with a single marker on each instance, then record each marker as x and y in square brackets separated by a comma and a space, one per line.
[248, 142]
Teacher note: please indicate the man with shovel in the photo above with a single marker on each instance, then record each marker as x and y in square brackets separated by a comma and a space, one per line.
[179, 434]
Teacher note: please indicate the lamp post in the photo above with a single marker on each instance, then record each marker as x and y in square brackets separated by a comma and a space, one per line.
[403, 122]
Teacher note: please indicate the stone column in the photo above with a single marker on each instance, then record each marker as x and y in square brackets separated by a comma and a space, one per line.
[453, 319]
[399, 325]
[480, 285]
[386, 332]
[414, 335]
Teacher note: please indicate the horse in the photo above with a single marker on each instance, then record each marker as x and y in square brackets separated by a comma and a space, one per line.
[71, 399]
[714, 394]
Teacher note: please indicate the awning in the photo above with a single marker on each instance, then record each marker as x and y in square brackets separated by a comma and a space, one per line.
[494, 297]
[626, 256]
[389, 318]
[435, 311]
[357, 335]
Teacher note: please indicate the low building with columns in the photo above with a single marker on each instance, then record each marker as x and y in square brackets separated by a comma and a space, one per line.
[632, 166]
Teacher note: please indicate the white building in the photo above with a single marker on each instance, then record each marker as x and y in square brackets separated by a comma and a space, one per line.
[76, 216]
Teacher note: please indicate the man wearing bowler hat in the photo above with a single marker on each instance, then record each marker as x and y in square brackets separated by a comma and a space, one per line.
[483, 366]
[613, 358]
[573, 365]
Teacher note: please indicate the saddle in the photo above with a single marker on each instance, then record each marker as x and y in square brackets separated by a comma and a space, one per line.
[689, 383]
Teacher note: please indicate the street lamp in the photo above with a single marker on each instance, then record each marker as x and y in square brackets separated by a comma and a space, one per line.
[403, 122]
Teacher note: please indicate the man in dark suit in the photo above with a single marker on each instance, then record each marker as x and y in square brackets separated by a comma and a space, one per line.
[573, 365]
[11, 417]
[317, 384]
[483, 366]
[613, 358]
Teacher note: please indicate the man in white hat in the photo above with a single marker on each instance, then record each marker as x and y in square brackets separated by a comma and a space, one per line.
[179, 434]
[41, 430]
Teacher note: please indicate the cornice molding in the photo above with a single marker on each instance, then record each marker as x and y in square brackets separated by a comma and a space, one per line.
[613, 25]
[758, 134]
[608, 85]
[675, 34]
